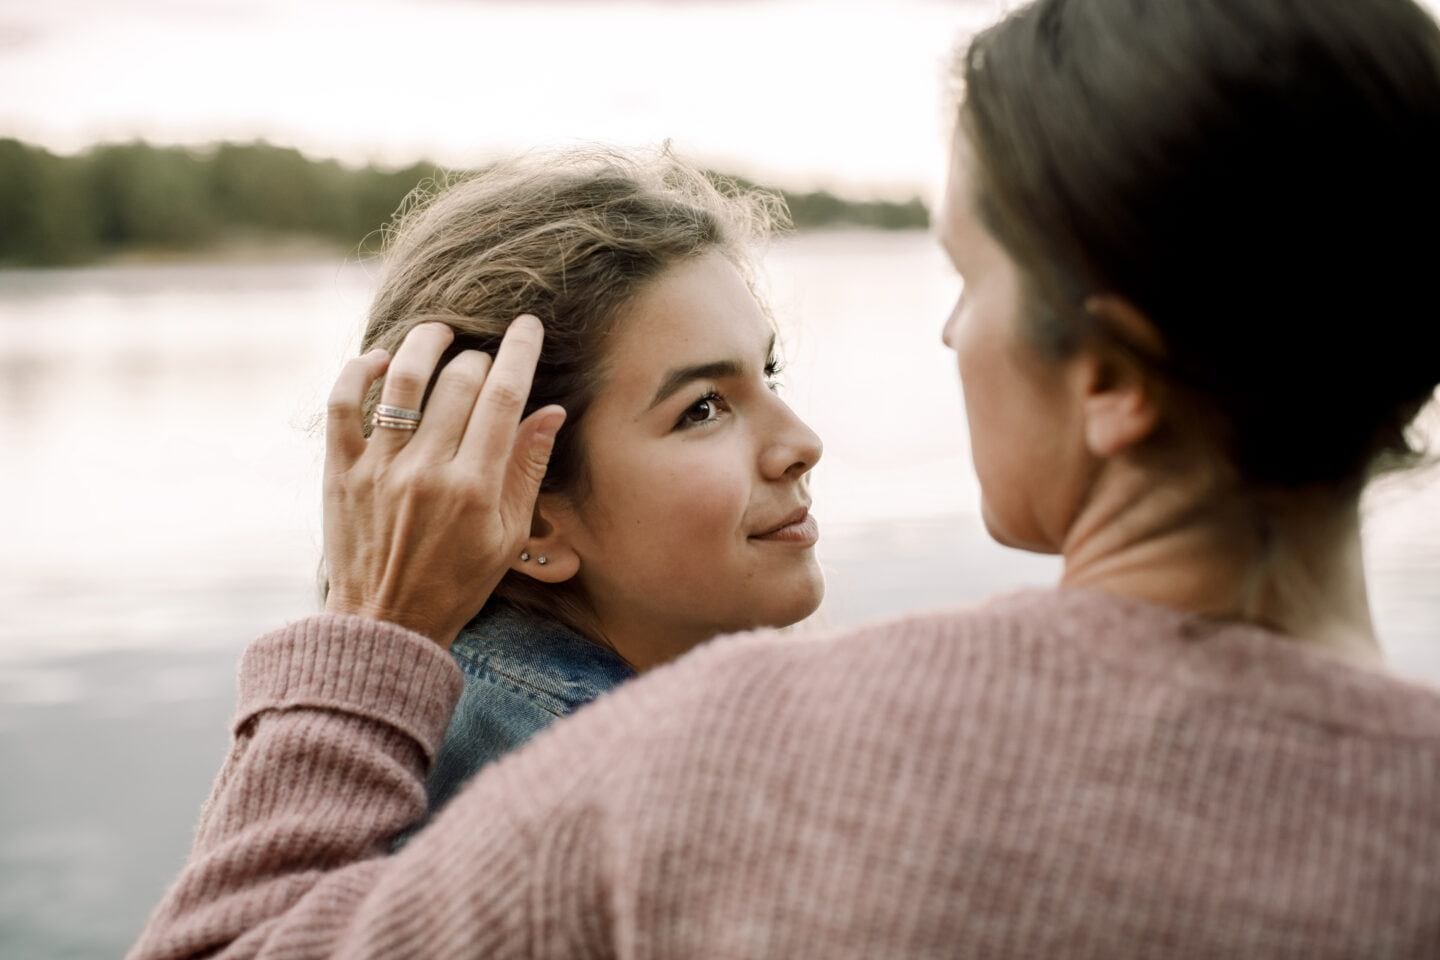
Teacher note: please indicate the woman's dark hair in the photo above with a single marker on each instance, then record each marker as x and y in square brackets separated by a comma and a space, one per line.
[1260, 177]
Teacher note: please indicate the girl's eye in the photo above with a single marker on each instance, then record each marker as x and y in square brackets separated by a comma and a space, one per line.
[773, 369]
[705, 410]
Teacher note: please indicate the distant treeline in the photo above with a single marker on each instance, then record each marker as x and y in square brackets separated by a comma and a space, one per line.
[116, 198]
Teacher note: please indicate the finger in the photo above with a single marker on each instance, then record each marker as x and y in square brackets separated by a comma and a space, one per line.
[534, 442]
[344, 426]
[491, 431]
[410, 371]
[448, 410]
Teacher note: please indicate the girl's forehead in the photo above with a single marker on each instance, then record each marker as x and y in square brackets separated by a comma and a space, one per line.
[699, 311]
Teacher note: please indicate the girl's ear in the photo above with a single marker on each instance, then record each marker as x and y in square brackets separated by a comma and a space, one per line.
[547, 555]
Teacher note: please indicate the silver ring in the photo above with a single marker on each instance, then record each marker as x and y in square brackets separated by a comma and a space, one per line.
[391, 423]
[396, 413]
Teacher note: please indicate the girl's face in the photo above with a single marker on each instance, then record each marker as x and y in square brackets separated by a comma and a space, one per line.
[696, 517]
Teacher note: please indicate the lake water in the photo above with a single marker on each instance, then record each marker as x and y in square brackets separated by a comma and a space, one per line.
[161, 476]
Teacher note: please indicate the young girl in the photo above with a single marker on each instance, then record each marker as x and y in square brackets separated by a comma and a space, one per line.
[675, 504]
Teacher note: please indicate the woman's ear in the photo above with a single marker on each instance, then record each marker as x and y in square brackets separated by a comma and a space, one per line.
[547, 554]
[1121, 402]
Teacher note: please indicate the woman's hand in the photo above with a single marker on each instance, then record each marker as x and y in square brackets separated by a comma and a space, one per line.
[420, 526]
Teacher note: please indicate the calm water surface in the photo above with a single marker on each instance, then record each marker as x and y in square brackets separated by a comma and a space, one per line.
[161, 469]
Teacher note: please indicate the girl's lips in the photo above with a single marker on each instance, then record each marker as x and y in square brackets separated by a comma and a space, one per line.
[803, 532]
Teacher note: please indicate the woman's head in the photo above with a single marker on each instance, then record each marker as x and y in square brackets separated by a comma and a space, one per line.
[1237, 196]
[638, 269]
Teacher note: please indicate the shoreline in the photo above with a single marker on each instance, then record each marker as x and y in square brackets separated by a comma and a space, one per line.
[300, 249]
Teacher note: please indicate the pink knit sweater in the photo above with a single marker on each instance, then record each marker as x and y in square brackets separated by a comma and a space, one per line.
[1056, 773]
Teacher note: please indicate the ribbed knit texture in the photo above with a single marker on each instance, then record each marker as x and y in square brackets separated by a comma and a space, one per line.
[1053, 774]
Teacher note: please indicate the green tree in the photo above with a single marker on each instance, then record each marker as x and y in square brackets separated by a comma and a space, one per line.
[152, 197]
[47, 214]
[60, 210]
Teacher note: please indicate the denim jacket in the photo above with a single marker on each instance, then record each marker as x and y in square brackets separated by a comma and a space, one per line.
[521, 672]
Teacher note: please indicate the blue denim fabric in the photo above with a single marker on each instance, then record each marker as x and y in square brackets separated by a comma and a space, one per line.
[521, 673]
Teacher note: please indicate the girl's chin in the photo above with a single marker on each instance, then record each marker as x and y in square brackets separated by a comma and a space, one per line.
[794, 605]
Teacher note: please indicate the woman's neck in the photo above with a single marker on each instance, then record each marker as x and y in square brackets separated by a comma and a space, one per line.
[1197, 543]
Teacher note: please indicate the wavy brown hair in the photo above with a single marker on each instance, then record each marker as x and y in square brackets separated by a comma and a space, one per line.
[571, 238]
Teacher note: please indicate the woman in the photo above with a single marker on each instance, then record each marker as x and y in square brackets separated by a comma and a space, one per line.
[1171, 219]
[675, 505]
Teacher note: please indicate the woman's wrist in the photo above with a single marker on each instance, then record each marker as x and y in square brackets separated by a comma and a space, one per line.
[416, 622]
[362, 666]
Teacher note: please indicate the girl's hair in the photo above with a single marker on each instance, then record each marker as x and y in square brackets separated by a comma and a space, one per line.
[571, 238]
[1260, 177]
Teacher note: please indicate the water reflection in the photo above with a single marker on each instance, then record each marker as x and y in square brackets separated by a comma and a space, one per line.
[162, 443]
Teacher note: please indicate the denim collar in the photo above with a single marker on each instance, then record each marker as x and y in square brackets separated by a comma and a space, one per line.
[539, 654]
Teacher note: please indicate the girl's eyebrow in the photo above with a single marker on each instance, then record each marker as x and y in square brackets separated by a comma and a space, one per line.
[680, 376]
[713, 370]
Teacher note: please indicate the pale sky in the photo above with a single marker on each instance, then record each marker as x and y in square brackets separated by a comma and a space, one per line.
[797, 92]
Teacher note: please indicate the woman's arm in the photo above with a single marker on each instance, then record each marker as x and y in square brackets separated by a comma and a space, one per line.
[290, 859]
[339, 715]
[337, 718]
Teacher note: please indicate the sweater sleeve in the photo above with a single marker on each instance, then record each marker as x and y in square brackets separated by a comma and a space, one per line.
[338, 719]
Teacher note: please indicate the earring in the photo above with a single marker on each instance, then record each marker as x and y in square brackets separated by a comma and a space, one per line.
[541, 560]
[524, 556]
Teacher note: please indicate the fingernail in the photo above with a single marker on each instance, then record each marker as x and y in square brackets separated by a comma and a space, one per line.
[552, 426]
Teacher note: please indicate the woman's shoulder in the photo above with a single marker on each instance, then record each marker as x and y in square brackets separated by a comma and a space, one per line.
[1063, 641]
[1243, 666]
[816, 672]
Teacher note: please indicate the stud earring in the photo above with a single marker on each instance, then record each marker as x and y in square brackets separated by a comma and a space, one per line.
[524, 556]
[541, 560]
